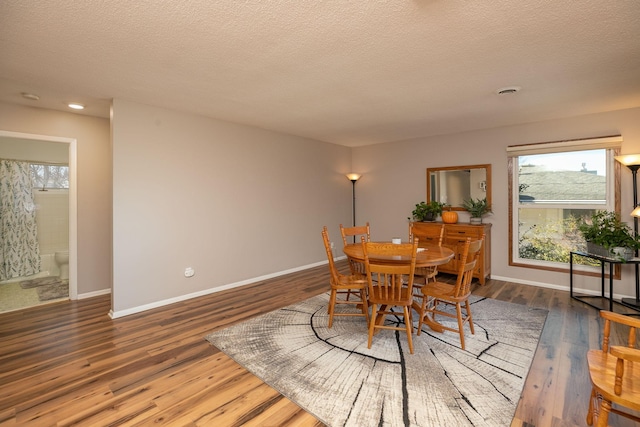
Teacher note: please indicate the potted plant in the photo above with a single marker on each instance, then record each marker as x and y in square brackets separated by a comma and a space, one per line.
[477, 208]
[607, 235]
[427, 211]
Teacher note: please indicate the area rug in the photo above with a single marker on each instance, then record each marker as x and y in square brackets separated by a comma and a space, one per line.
[41, 281]
[54, 291]
[331, 373]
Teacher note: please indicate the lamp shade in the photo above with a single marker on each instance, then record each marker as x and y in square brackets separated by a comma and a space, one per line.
[636, 212]
[629, 160]
[353, 176]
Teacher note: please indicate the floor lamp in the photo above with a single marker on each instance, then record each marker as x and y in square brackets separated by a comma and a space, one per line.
[632, 161]
[353, 177]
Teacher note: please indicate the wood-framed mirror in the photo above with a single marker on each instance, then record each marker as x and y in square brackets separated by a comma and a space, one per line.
[452, 185]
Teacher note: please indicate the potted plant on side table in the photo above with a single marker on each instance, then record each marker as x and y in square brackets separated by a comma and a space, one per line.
[427, 211]
[477, 208]
[606, 235]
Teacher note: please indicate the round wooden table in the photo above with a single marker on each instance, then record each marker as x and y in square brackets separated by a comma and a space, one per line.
[428, 256]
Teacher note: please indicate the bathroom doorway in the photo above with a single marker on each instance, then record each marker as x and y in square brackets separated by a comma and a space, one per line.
[54, 278]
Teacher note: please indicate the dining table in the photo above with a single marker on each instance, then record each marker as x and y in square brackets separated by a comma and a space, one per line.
[427, 256]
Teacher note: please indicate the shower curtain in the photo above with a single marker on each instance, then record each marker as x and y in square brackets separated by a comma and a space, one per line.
[19, 249]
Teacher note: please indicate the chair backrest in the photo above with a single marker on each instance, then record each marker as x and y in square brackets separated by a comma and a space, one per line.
[432, 235]
[327, 247]
[467, 264]
[609, 318]
[360, 230]
[385, 270]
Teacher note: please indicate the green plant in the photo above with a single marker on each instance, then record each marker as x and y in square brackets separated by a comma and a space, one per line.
[605, 228]
[427, 211]
[477, 207]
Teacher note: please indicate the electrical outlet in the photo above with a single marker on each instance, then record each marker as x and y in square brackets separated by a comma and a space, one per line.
[189, 272]
[331, 243]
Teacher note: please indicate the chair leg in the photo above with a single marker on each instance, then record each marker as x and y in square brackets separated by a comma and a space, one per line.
[332, 306]
[365, 306]
[603, 413]
[423, 310]
[372, 323]
[591, 407]
[469, 317]
[409, 327]
[460, 324]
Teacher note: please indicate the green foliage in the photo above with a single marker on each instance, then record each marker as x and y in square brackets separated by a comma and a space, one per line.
[553, 241]
[605, 228]
[477, 208]
[427, 211]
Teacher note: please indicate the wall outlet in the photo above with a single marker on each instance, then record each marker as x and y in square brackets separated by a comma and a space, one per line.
[331, 243]
[189, 272]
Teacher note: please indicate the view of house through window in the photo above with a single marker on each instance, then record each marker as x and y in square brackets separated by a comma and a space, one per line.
[552, 193]
[49, 176]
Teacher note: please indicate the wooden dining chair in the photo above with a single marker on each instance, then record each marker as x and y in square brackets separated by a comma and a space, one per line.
[356, 233]
[436, 293]
[431, 236]
[386, 286]
[615, 372]
[345, 286]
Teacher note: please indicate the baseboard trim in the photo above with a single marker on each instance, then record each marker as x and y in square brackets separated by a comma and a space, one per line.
[138, 309]
[557, 287]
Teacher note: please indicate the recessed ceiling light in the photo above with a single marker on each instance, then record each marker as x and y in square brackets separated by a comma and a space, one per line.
[76, 106]
[30, 96]
[508, 90]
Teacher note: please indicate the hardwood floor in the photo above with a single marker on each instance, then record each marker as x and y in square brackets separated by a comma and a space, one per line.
[68, 363]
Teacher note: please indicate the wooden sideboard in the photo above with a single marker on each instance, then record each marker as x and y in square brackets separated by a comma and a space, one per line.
[455, 236]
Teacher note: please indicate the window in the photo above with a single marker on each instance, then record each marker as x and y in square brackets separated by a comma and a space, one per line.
[552, 187]
[49, 176]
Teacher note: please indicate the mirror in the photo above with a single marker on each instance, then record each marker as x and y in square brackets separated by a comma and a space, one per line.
[454, 184]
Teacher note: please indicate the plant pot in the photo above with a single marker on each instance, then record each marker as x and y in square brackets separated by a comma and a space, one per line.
[595, 249]
[622, 253]
[429, 217]
[474, 220]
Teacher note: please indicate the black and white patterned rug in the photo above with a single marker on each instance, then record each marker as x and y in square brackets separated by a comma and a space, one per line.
[332, 374]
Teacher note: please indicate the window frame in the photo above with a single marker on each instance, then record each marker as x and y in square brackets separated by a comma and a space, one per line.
[612, 146]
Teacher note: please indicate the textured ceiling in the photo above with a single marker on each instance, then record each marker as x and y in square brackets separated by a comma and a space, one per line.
[346, 72]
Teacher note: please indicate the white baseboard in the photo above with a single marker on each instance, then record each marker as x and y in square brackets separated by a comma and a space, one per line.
[557, 287]
[134, 310]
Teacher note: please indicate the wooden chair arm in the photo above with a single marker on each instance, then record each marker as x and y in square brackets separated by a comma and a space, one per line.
[620, 318]
[626, 353]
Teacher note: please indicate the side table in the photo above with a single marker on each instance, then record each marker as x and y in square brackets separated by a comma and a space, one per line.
[602, 297]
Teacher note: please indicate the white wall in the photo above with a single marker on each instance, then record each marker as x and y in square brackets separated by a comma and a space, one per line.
[94, 183]
[394, 180]
[230, 201]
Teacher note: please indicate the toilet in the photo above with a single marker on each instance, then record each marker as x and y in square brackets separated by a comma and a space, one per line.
[62, 260]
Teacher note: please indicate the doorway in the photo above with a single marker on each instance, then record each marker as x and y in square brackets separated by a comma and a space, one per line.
[47, 149]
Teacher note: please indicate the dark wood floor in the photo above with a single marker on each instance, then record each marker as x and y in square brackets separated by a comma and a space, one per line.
[68, 363]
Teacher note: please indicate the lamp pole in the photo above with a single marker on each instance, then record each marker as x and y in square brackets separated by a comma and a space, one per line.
[634, 302]
[353, 177]
[633, 163]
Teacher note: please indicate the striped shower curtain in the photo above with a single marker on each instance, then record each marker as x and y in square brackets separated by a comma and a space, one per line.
[19, 249]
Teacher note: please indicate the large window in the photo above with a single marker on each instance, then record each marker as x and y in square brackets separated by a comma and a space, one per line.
[552, 187]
